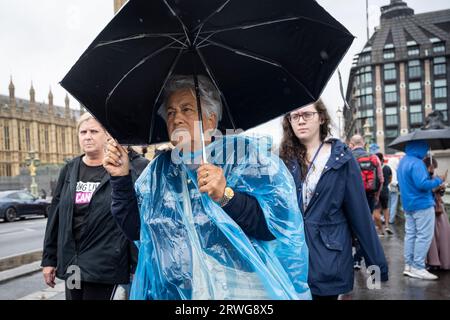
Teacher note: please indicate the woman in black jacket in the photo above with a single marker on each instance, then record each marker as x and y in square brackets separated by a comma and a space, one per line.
[83, 244]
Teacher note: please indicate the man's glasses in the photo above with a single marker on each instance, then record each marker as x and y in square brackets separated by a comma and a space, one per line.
[305, 115]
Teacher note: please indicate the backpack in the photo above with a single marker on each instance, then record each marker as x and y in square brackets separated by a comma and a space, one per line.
[368, 164]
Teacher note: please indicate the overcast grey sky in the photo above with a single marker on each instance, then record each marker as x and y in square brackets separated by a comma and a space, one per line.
[41, 39]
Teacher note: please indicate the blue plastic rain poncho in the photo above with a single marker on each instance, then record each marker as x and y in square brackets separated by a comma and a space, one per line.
[190, 248]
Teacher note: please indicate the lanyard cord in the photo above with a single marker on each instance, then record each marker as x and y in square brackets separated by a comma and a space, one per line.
[314, 159]
[307, 173]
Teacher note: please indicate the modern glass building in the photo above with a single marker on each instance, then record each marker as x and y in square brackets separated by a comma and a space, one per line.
[401, 75]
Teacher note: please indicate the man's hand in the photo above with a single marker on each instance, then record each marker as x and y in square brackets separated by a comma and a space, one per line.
[211, 181]
[49, 276]
[116, 160]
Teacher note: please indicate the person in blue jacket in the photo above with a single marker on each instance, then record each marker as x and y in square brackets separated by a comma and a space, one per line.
[332, 199]
[417, 198]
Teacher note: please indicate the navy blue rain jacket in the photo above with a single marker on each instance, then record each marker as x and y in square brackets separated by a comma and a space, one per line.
[337, 210]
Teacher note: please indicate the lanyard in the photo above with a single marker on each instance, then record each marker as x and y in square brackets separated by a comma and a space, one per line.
[307, 173]
[314, 159]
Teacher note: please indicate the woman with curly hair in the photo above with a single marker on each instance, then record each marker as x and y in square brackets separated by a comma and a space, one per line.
[332, 199]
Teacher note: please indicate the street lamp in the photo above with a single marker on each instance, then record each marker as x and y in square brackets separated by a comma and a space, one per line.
[367, 132]
[32, 163]
[339, 115]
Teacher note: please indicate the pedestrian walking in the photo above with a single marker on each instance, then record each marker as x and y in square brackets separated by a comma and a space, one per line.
[226, 229]
[371, 172]
[382, 206]
[83, 244]
[418, 203]
[331, 196]
[394, 192]
[439, 253]
[372, 177]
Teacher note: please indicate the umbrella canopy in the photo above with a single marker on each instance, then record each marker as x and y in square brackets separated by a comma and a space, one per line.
[437, 139]
[266, 57]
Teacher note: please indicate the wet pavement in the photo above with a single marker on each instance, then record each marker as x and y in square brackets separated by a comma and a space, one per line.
[399, 287]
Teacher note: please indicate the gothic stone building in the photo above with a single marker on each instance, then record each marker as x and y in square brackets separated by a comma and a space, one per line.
[26, 125]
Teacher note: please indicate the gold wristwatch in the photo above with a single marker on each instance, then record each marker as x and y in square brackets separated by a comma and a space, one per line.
[227, 196]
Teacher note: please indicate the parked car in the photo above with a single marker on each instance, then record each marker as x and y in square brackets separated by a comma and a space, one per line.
[20, 203]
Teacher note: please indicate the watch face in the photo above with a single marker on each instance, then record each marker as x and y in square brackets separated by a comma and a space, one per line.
[229, 193]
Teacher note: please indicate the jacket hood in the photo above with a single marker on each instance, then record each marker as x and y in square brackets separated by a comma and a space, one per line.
[418, 148]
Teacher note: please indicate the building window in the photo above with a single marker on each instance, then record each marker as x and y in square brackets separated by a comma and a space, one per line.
[365, 58]
[364, 97]
[442, 106]
[391, 116]
[439, 47]
[439, 66]
[6, 132]
[415, 115]
[5, 170]
[391, 133]
[39, 140]
[440, 88]
[413, 51]
[389, 72]
[19, 140]
[28, 139]
[390, 93]
[46, 140]
[415, 91]
[365, 113]
[63, 141]
[366, 100]
[364, 76]
[388, 54]
[414, 70]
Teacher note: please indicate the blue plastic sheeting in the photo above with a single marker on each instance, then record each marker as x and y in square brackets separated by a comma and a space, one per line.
[190, 248]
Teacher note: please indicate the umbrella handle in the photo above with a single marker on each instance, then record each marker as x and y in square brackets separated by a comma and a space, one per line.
[200, 115]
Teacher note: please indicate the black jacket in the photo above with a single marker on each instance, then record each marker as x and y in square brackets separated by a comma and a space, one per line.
[104, 254]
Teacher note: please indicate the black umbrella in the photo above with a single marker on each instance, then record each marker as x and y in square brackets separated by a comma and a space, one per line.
[266, 57]
[438, 139]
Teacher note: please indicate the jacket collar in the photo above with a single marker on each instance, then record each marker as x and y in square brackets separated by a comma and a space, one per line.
[340, 154]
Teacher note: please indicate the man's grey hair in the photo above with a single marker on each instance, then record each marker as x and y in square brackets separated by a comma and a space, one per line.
[209, 95]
